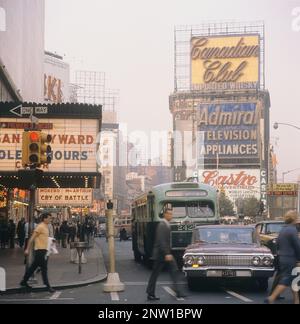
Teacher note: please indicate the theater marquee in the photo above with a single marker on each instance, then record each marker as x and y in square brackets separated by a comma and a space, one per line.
[79, 197]
[74, 144]
[225, 62]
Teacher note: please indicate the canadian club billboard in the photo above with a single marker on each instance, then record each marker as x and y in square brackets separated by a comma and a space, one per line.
[225, 62]
[231, 133]
[236, 183]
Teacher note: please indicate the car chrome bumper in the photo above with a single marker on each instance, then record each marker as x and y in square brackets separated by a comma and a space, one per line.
[217, 272]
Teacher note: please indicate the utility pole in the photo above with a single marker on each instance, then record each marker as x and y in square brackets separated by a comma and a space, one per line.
[113, 283]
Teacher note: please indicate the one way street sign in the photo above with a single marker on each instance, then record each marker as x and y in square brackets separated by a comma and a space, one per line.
[20, 111]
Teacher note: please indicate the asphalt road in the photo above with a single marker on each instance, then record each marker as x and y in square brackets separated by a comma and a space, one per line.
[135, 277]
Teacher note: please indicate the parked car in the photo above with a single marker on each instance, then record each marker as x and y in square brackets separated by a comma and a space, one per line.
[227, 251]
[268, 232]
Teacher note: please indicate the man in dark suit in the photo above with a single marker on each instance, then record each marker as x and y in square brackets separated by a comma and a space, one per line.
[162, 256]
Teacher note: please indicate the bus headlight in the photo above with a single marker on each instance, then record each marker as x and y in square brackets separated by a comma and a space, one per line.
[256, 261]
[188, 260]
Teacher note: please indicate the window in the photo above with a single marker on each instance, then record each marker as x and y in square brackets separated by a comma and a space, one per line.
[226, 235]
[274, 228]
[263, 230]
[197, 209]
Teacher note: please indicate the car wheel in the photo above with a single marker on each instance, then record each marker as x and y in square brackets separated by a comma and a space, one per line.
[263, 284]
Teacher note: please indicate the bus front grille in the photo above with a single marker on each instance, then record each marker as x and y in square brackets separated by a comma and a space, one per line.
[180, 239]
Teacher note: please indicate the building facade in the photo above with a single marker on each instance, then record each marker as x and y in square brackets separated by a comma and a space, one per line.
[220, 108]
[22, 46]
[57, 87]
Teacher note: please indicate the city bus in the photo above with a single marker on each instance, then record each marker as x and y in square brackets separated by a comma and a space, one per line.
[193, 204]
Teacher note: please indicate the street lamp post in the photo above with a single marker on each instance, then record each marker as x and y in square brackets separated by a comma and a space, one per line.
[276, 125]
[287, 172]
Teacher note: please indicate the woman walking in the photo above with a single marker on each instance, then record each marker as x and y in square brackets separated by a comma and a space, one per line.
[289, 253]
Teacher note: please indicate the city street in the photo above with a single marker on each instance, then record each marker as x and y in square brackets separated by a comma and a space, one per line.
[135, 277]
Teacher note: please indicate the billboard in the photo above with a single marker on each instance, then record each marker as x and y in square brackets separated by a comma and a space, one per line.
[230, 132]
[74, 143]
[79, 197]
[225, 62]
[283, 189]
[237, 183]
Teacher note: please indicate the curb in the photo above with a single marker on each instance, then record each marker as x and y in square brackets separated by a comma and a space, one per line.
[76, 284]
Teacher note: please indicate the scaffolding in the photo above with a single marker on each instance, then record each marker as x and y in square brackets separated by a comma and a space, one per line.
[90, 87]
[182, 46]
[111, 100]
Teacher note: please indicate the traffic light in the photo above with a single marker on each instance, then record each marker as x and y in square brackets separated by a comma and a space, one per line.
[30, 148]
[45, 148]
[36, 149]
[33, 147]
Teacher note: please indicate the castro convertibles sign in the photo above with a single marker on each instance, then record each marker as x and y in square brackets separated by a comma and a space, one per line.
[74, 144]
[225, 62]
[237, 183]
[231, 131]
[65, 197]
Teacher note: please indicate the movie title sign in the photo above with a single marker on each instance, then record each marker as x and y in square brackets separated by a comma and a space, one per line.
[74, 144]
[80, 197]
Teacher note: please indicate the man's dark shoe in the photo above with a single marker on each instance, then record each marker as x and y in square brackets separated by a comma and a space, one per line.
[51, 290]
[152, 298]
[25, 285]
[180, 295]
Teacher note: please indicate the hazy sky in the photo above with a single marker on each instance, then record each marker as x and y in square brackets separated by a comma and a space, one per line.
[133, 42]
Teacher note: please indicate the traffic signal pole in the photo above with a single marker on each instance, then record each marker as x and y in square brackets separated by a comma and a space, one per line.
[113, 283]
[35, 153]
[32, 193]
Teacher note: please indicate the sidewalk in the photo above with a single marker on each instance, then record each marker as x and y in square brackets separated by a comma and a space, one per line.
[62, 273]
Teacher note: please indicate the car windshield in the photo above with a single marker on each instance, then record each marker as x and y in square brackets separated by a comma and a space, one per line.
[198, 209]
[226, 235]
[274, 228]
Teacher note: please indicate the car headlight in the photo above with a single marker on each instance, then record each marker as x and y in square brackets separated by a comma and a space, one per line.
[201, 260]
[274, 241]
[267, 261]
[188, 260]
[256, 261]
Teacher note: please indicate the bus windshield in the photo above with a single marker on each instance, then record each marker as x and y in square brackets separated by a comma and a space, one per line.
[197, 209]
